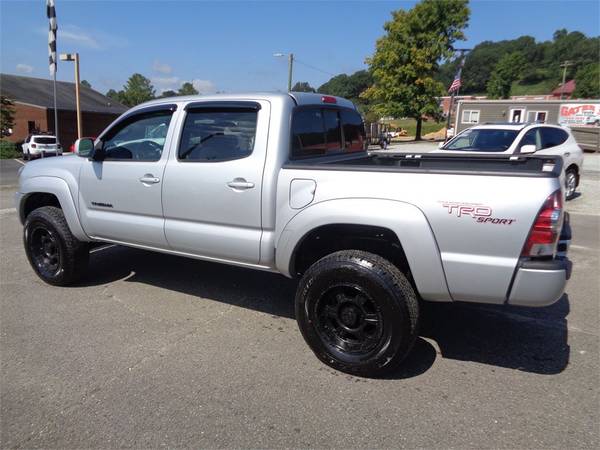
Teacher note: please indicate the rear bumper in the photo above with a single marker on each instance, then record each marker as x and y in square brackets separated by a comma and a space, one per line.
[540, 283]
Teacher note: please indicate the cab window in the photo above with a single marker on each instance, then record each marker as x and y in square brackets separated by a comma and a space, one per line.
[138, 138]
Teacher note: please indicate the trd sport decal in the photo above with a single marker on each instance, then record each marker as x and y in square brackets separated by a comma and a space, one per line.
[480, 213]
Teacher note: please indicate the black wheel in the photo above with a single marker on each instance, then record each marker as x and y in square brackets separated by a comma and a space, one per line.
[26, 156]
[570, 183]
[56, 256]
[357, 312]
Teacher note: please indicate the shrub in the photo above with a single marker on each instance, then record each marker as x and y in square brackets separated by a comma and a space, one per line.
[8, 150]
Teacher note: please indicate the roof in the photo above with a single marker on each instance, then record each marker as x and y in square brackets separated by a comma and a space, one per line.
[567, 88]
[39, 92]
[522, 102]
[300, 98]
[511, 125]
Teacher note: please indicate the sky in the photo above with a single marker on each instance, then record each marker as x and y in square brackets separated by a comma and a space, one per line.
[229, 45]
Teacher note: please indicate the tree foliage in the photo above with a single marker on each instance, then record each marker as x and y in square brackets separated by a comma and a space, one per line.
[86, 83]
[303, 86]
[7, 116]
[169, 93]
[187, 88]
[138, 89]
[406, 59]
[543, 60]
[587, 81]
[509, 69]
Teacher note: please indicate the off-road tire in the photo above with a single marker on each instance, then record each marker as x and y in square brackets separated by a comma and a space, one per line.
[390, 313]
[46, 229]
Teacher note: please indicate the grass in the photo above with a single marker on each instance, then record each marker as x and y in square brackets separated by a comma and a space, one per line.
[8, 150]
[410, 125]
[543, 87]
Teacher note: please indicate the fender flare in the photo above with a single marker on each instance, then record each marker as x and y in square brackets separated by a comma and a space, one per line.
[59, 188]
[405, 220]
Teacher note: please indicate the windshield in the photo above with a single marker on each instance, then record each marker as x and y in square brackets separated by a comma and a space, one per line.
[482, 140]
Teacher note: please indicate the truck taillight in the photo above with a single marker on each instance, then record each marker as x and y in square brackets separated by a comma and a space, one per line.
[544, 234]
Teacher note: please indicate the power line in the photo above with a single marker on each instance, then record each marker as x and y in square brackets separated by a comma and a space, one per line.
[313, 67]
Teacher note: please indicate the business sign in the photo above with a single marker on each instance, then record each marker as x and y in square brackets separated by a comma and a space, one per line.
[579, 114]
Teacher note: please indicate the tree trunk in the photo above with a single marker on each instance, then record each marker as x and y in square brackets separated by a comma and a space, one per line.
[418, 131]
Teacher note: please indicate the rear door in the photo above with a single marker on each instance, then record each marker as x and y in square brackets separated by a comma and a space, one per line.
[213, 181]
[120, 197]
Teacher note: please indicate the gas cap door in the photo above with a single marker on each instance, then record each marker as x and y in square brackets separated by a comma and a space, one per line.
[302, 192]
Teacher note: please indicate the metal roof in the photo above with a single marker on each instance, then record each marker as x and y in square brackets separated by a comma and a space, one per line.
[38, 92]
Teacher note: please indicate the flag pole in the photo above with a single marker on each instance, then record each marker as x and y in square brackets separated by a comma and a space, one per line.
[52, 27]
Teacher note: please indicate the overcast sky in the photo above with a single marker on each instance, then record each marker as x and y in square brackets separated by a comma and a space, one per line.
[226, 45]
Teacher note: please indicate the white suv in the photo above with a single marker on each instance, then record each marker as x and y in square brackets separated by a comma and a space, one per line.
[516, 138]
[39, 145]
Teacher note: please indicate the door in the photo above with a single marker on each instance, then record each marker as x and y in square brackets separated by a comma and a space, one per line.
[120, 196]
[212, 189]
[517, 115]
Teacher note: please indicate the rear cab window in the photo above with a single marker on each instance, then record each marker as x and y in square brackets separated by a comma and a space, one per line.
[44, 140]
[321, 131]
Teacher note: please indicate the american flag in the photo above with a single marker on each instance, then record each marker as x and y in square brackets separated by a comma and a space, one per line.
[455, 86]
[51, 13]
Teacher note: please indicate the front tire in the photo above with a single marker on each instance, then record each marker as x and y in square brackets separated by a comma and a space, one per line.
[570, 184]
[357, 312]
[55, 255]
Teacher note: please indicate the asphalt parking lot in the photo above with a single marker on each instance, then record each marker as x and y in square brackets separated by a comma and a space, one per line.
[153, 350]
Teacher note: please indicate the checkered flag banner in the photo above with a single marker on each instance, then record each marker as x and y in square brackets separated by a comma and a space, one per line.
[51, 13]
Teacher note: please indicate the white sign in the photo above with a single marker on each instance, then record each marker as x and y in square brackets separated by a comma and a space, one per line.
[579, 114]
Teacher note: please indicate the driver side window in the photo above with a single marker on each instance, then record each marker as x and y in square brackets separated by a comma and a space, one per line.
[138, 138]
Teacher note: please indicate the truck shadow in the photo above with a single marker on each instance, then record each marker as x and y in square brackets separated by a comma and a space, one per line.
[527, 339]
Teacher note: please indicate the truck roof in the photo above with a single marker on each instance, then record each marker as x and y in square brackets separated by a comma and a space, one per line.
[300, 98]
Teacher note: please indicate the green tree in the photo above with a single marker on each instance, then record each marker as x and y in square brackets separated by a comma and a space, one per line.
[406, 59]
[86, 83]
[587, 81]
[187, 88]
[138, 89]
[168, 93]
[7, 116]
[509, 69]
[116, 96]
[303, 86]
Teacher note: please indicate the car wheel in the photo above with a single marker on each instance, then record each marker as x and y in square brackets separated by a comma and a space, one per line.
[570, 184]
[56, 256]
[26, 155]
[357, 312]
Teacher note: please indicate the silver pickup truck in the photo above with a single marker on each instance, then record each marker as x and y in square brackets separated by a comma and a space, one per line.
[282, 183]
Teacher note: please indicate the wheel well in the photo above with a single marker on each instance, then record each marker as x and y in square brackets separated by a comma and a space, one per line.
[331, 238]
[37, 200]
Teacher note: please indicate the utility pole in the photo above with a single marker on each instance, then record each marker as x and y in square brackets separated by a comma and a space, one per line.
[290, 69]
[564, 77]
[75, 58]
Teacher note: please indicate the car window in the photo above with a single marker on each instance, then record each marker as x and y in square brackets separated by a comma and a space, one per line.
[483, 140]
[532, 137]
[218, 134]
[354, 130]
[551, 137]
[44, 140]
[138, 138]
[333, 130]
[308, 133]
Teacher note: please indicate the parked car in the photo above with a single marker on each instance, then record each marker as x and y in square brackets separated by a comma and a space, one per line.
[40, 145]
[281, 183]
[514, 139]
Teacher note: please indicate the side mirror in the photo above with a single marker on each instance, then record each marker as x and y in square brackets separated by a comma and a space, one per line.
[83, 147]
[528, 149]
[441, 144]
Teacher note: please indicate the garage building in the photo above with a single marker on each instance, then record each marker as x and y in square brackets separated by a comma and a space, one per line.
[34, 108]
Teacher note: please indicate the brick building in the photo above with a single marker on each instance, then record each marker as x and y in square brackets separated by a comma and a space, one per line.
[34, 108]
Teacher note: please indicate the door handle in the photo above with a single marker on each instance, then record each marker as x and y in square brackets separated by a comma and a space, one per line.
[149, 179]
[240, 184]
[567, 154]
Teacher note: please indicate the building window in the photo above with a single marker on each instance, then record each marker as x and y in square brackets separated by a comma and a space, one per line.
[517, 115]
[470, 116]
[537, 116]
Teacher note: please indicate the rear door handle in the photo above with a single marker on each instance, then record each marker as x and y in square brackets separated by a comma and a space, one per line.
[149, 179]
[567, 154]
[240, 184]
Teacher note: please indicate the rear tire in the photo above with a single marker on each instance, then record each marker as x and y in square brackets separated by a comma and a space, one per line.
[55, 255]
[357, 312]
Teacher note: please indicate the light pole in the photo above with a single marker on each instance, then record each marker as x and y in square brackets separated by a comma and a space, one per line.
[564, 77]
[290, 67]
[75, 57]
